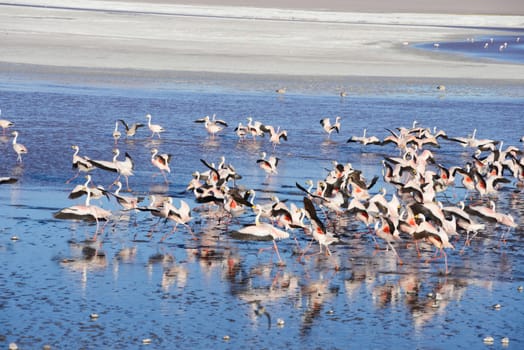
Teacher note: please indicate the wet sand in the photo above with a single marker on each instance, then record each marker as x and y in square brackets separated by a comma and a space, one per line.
[129, 38]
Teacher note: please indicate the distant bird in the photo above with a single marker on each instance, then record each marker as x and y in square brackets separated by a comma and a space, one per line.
[155, 128]
[328, 127]
[161, 161]
[268, 165]
[82, 164]
[130, 129]
[4, 123]
[18, 147]
[281, 90]
[441, 87]
[116, 133]
[123, 168]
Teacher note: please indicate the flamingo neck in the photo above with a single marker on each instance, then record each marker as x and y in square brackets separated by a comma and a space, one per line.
[88, 198]
[257, 218]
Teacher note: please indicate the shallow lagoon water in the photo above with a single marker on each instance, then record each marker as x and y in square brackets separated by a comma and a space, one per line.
[191, 293]
[507, 48]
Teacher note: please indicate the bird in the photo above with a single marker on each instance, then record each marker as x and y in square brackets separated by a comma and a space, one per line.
[268, 165]
[130, 129]
[82, 164]
[127, 202]
[181, 215]
[80, 190]
[264, 230]
[8, 180]
[386, 230]
[18, 147]
[87, 211]
[318, 228]
[123, 168]
[281, 90]
[275, 135]
[473, 142]
[255, 129]
[241, 131]
[435, 235]
[5, 124]
[161, 161]
[213, 125]
[116, 133]
[155, 128]
[328, 127]
[365, 140]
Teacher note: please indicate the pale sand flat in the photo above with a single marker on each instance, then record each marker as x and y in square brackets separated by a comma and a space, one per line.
[131, 36]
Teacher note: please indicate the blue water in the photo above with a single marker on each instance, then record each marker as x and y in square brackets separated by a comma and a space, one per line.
[502, 48]
[203, 290]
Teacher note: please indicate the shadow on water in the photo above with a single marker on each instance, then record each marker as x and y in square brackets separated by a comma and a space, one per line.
[222, 290]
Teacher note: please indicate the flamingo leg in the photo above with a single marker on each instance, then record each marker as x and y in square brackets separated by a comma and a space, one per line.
[74, 177]
[400, 262]
[164, 175]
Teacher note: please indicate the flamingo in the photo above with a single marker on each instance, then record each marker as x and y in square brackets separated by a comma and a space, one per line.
[263, 230]
[155, 128]
[370, 140]
[161, 161]
[181, 215]
[83, 164]
[255, 129]
[386, 230]
[328, 127]
[18, 147]
[319, 231]
[435, 235]
[241, 131]
[269, 165]
[8, 180]
[212, 125]
[80, 190]
[123, 168]
[130, 129]
[116, 133]
[5, 124]
[87, 211]
[275, 135]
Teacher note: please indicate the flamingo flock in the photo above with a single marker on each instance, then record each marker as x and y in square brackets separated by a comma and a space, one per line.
[417, 203]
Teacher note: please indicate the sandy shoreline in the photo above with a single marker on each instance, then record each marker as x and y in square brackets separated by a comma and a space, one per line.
[127, 37]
